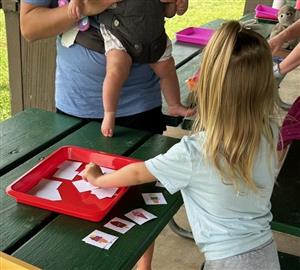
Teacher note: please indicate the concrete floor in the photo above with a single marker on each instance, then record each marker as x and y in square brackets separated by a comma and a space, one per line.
[175, 252]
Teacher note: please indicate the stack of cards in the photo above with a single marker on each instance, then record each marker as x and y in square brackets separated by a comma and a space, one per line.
[48, 189]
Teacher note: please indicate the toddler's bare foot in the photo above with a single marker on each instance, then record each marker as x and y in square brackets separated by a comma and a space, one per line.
[108, 124]
[181, 7]
[180, 110]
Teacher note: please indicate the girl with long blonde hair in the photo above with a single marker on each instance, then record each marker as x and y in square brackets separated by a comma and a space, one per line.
[226, 169]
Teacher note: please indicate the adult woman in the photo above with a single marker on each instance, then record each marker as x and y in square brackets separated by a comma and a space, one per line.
[80, 71]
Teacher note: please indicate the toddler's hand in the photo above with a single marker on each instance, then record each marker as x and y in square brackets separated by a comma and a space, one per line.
[75, 9]
[91, 172]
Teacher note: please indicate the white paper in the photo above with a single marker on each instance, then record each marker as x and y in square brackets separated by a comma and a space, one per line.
[119, 225]
[106, 170]
[102, 193]
[66, 172]
[154, 198]
[83, 186]
[100, 239]
[140, 216]
[47, 189]
[70, 164]
[159, 184]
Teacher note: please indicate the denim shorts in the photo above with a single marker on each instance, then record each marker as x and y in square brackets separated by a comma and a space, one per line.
[264, 257]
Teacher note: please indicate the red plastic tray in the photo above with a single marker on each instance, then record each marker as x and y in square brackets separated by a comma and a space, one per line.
[195, 35]
[74, 203]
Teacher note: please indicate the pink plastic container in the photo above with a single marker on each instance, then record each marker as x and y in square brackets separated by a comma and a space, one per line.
[195, 35]
[266, 12]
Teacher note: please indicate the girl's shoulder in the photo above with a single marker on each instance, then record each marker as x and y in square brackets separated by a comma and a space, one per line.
[194, 143]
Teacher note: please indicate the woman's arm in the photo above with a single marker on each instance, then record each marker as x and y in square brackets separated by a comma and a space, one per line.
[290, 33]
[38, 22]
[291, 61]
[130, 175]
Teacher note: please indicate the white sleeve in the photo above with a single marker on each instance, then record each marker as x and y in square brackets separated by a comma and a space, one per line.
[174, 168]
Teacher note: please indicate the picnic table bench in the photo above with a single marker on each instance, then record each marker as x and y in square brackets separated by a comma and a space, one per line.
[51, 241]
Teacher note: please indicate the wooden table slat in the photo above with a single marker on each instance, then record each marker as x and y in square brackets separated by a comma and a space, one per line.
[29, 132]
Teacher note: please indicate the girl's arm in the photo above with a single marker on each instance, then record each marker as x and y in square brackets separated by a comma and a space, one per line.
[130, 175]
[38, 22]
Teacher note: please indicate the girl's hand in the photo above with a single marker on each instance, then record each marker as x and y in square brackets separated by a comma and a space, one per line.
[91, 172]
[94, 7]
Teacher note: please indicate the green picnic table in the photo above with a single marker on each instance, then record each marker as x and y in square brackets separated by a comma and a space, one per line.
[49, 240]
[53, 241]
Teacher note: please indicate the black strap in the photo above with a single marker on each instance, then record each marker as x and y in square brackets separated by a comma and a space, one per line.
[91, 39]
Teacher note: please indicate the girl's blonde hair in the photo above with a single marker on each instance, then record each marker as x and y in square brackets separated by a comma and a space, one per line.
[235, 99]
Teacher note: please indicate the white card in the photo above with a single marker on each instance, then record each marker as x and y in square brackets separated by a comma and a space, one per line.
[154, 198]
[100, 239]
[83, 185]
[70, 164]
[159, 184]
[119, 225]
[66, 172]
[47, 189]
[140, 216]
[106, 170]
[102, 193]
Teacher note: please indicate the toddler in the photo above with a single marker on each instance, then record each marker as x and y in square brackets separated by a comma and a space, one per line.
[133, 31]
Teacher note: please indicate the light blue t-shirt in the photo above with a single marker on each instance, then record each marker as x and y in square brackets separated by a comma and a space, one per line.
[79, 77]
[224, 223]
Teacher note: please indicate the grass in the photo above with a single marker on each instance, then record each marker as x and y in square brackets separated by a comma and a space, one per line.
[199, 13]
[4, 87]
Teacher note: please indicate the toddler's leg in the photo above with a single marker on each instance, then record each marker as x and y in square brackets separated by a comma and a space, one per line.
[169, 84]
[181, 6]
[118, 65]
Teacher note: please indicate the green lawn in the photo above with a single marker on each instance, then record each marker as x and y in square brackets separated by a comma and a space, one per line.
[199, 13]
